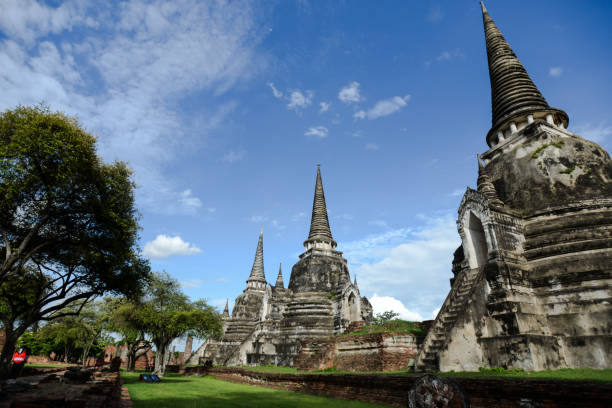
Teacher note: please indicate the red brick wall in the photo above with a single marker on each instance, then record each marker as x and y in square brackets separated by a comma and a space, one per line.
[393, 389]
[365, 352]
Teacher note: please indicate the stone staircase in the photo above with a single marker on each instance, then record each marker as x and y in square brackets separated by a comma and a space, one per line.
[454, 304]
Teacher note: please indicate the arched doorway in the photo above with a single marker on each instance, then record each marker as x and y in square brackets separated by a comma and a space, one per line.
[353, 308]
[477, 250]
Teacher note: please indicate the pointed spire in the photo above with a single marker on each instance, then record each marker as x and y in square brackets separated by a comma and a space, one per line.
[355, 282]
[319, 224]
[279, 280]
[257, 272]
[226, 310]
[513, 93]
[485, 186]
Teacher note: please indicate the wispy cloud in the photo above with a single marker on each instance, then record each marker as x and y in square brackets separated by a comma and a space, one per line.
[299, 100]
[458, 192]
[164, 246]
[188, 200]
[317, 131]
[350, 93]
[383, 108]
[379, 223]
[555, 72]
[258, 219]
[372, 147]
[123, 82]
[191, 283]
[277, 94]
[449, 55]
[324, 107]
[233, 156]
[597, 133]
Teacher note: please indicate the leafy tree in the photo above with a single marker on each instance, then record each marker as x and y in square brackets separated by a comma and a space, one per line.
[127, 320]
[68, 225]
[384, 317]
[167, 314]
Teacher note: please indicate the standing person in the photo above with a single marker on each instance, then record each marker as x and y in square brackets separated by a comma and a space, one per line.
[19, 359]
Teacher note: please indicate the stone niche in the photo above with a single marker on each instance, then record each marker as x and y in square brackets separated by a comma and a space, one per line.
[365, 352]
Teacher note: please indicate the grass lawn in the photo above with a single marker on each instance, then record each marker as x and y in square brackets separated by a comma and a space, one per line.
[58, 365]
[193, 392]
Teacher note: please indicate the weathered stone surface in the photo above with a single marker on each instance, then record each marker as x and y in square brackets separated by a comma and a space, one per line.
[430, 391]
[532, 284]
[365, 353]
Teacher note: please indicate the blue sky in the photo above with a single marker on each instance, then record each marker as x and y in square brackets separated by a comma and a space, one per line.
[223, 109]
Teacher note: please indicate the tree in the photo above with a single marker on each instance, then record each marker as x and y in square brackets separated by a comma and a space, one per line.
[168, 314]
[68, 224]
[384, 317]
[127, 319]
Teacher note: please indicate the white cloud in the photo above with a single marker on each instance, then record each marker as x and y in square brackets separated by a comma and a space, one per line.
[435, 312]
[324, 107]
[221, 280]
[350, 93]
[372, 147]
[381, 304]
[277, 94]
[211, 209]
[186, 198]
[299, 100]
[555, 72]
[164, 246]
[412, 265]
[126, 83]
[597, 134]
[383, 108]
[233, 156]
[317, 131]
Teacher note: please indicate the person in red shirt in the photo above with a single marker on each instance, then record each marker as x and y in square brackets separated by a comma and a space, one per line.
[19, 359]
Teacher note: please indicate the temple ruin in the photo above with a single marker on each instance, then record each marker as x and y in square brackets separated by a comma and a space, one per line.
[269, 322]
[532, 277]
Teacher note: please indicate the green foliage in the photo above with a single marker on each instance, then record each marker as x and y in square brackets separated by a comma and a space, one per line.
[384, 317]
[559, 144]
[68, 225]
[190, 392]
[569, 170]
[579, 374]
[394, 326]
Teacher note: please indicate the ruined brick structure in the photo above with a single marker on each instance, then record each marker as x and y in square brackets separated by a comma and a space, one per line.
[269, 322]
[531, 286]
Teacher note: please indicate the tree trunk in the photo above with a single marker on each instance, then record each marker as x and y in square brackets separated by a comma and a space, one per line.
[86, 352]
[10, 342]
[161, 357]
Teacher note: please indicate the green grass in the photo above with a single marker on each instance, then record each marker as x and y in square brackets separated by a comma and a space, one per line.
[586, 374]
[271, 369]
[193, 392]
[395, 326]
[579, 374]
[58, 365]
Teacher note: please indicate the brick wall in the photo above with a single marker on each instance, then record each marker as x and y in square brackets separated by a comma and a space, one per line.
[393, 389]
[365, 352]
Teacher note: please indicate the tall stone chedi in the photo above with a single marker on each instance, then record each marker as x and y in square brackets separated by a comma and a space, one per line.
[269, 323]
[532, 284]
